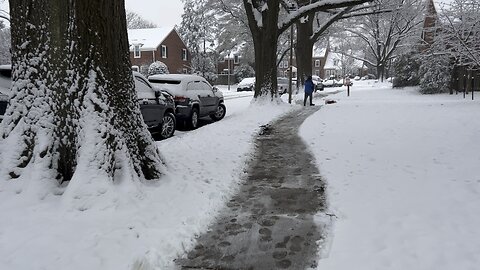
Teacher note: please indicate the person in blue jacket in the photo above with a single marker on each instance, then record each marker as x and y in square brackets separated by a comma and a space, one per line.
[309, 88]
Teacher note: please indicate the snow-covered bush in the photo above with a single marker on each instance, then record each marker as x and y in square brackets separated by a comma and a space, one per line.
[243, 71]
[406, 68]
[436, 72]
[157, 68]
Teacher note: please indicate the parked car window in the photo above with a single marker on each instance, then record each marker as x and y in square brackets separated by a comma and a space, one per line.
[206, 86]
[191, 86]
[144, 91]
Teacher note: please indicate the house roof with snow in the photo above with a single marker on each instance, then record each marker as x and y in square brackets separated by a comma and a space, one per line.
[149, 38]
[319, 52]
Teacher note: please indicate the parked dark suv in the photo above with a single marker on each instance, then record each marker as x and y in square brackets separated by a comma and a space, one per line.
[194, 97]
[157, 107]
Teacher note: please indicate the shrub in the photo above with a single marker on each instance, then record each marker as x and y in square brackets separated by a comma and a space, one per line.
[157, 68]
[406, 68]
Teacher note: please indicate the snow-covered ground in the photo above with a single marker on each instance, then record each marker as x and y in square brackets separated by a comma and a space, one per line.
[403, 179]
[402, 173]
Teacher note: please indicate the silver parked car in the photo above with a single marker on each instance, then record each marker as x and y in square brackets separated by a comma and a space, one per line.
[247, 84]
[194, 97]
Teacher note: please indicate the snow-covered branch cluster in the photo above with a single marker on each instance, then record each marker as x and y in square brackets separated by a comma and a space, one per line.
[460, 32]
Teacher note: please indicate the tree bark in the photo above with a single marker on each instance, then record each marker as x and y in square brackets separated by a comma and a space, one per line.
[304, 48]
[74, 112]
[265, 43]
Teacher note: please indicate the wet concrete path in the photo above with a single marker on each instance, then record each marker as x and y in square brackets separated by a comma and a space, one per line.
[269, 223]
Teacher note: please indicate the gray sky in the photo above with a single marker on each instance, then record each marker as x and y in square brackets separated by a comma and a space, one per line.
[160, 12]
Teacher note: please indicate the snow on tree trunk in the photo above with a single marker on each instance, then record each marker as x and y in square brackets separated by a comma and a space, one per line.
[74, 114]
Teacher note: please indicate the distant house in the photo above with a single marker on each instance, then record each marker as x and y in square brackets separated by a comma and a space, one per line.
[158, 44]
[319, 58]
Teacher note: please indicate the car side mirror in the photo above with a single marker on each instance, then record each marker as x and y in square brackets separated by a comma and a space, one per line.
[157, 96]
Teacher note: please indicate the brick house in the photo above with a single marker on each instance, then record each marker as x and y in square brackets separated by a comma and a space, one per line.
[158, 44]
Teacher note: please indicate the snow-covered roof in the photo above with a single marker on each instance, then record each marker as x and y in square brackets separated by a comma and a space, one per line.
[319, 52]
[149, 38]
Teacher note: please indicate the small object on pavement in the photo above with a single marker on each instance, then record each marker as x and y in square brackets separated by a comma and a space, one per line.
[330, 101]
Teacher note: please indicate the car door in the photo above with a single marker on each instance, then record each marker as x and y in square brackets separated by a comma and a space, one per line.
[152, 108]
[196, 89]
[211, 100]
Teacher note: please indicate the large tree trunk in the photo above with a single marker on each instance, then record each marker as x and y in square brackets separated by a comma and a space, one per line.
[74, 113]
[265, 40]
[304, 48]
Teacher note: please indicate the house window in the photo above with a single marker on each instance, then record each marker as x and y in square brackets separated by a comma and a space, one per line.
[236, 59]
[164, 51]
[185, 71]
[335, 62]
[317, 72]
[317, 63]
[184, 54]
[136, 51]
[280, 65]
[285, 64]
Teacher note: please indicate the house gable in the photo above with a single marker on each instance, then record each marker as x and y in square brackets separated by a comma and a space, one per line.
[159, 44]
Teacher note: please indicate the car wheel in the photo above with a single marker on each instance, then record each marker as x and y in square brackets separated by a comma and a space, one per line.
[219, 113]
[168, 126]
[193, 120]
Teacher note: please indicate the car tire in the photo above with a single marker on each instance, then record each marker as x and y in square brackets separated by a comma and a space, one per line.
[168, 126]
[219, 113]
[192, 121]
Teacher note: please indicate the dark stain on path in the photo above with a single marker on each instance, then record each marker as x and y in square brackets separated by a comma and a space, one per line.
[269, 224]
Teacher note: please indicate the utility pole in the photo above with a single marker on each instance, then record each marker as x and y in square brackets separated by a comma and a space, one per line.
[290, 72]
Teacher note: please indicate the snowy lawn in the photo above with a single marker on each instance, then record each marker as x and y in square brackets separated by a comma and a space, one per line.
[402, 173]
[403, 179]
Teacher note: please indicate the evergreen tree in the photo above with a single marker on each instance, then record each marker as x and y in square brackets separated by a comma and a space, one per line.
[406, 68]
[435, 73]
[243, 71]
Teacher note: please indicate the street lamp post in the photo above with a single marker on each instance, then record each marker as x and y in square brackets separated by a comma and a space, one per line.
[290, 71]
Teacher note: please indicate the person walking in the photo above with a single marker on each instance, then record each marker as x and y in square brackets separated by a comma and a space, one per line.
[309, 88]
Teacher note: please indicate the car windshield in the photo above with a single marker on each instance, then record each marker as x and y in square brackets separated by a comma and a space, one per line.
[163, 81]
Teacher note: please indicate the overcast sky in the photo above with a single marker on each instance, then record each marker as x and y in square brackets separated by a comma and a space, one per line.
[160, 12]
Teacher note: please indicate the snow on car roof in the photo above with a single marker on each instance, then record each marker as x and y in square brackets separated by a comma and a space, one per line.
[248, 80]
[149, 38]
[177, 77]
